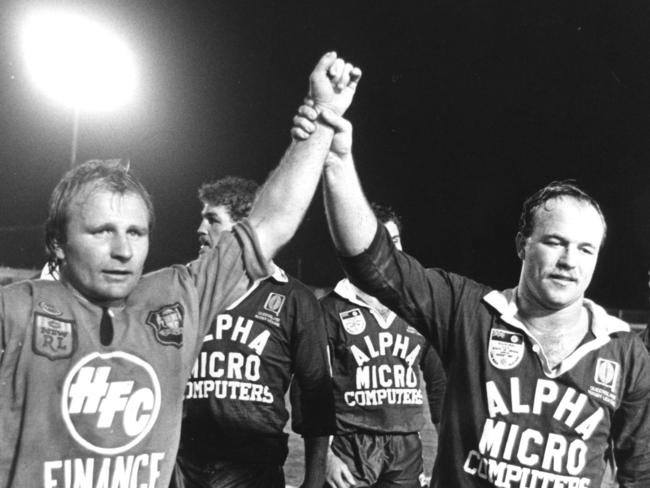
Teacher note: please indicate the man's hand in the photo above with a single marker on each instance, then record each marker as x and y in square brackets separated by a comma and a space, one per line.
[337, 474]
[332, 83]
[304, 124]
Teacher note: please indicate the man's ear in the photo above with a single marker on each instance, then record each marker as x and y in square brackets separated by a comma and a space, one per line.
[520, 243]
[58, 250]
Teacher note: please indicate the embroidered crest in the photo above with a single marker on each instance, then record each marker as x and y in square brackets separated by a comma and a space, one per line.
[353, 321]
[506, 349]
[274, 303]
[167, 323]
[54, 338]
[607, 372]
[49, 308]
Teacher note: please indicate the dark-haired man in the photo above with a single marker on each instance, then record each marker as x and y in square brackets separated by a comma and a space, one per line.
[540, 379]
[235, 413]
[378, 364]
[93, 366]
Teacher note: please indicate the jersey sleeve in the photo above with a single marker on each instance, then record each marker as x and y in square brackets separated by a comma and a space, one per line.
[431, 300]
[224, 274]
[631, 423]
[435, 380]
[312, 396]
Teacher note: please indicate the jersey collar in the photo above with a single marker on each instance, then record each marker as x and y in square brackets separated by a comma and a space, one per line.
[346, 290]
[603, 326]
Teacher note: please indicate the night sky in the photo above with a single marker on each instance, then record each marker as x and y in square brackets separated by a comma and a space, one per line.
[465, 108]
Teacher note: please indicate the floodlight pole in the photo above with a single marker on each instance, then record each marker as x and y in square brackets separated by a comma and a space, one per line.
[75, 136]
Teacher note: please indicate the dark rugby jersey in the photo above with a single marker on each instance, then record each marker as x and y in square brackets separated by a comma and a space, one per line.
[235, 398]
[509, 420]
[377, 367]
[76, 413]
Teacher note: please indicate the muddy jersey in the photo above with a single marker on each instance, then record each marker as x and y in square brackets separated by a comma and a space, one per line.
[75, 413]
[378, 363]
[510, 420]
[235, 398]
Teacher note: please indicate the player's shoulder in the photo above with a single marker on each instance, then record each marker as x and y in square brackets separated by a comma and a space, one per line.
[31, 287]
[292, 285]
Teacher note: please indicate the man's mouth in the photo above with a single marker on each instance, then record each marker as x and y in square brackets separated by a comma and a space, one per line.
[563, 278]
[204, 245]
[117, 274]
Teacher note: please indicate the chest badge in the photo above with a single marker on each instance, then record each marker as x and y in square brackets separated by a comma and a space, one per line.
[274, 303]
[506, 349]
[607, 373]
[54, 338]
[167, 323]
[353, 321]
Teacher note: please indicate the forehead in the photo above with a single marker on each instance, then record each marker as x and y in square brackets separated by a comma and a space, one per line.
[99, 205]
[220, 211]
[570, 218]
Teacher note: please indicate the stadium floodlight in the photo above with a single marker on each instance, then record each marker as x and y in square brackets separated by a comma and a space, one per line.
[79, 62]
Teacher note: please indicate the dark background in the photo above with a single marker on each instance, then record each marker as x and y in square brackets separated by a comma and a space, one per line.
[465, 108]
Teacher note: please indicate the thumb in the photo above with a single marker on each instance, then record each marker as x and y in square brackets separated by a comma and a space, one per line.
[324, 64]
[338, 123]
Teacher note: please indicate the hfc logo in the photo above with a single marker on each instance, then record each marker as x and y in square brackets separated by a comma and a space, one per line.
[110, 401]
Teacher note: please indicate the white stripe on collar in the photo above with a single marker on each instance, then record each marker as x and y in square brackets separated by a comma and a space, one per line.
[346, 290]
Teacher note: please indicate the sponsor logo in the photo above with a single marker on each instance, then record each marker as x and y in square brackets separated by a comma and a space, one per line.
[353, 321]
[49, 308]
[607, 373]
[167, 323]
[54, 338]
[505, 349]
[274, 303]
[110, 401]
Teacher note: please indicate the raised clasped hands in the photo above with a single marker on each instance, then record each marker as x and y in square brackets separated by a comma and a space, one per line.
[333, 83]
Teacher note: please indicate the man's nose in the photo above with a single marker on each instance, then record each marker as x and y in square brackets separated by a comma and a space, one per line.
[569, 256]
[203, 228]
[121, 247]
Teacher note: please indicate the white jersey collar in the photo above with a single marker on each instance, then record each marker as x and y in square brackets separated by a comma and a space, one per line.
[603, 326]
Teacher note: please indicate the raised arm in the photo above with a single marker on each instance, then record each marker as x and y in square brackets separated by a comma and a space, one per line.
[287, 193]
[351, 220]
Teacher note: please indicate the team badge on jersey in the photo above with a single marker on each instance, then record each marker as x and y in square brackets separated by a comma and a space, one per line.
[506, 349]
[353, 321]
[49, 308]
[274, 303]
[54, 338]
[167, 323]
[607, 373]
[110, 402]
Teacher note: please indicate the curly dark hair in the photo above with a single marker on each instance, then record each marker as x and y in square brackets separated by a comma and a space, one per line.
[112, 175]
[386, 214]
[554, 190]
[235, 193]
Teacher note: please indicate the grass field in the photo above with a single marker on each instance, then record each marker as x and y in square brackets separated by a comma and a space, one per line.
[294, 466]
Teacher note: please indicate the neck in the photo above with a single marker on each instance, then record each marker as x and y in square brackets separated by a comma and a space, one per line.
[558, 322]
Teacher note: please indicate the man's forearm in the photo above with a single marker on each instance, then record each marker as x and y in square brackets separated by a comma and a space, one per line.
[315, 458]
[351, 220]
[287, 193]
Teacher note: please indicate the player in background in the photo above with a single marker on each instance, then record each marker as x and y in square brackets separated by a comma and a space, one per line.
[378, 364]
[234, 414]
[541, 380]
[93, 367]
